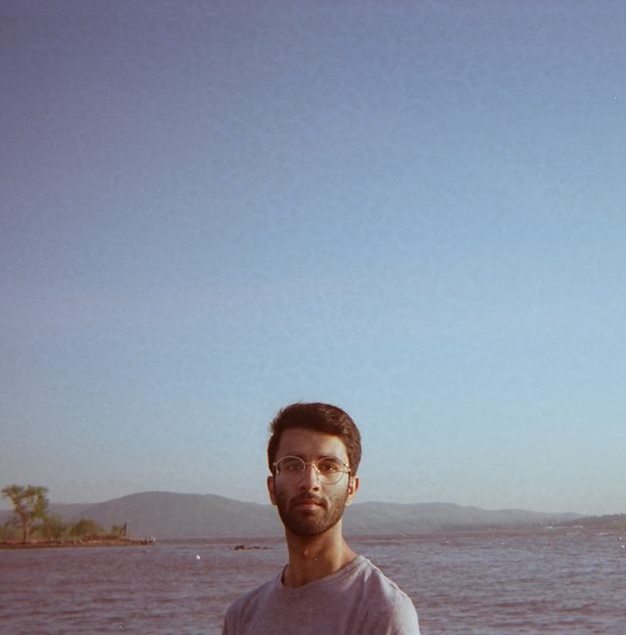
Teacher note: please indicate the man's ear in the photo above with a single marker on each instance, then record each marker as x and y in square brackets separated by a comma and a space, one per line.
[271, 488]
[353, 486]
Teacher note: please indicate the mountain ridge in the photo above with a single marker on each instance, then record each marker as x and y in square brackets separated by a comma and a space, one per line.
[165, 515]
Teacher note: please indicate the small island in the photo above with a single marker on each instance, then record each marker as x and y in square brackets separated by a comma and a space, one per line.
[32, 527]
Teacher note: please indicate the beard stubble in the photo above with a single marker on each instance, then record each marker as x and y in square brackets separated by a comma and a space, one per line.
[311, 522]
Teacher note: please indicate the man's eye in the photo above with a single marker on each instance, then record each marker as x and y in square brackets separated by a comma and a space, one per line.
[292, 466]
[328, 467]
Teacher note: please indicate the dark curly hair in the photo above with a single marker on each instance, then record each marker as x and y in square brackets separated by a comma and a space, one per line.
[321, 417]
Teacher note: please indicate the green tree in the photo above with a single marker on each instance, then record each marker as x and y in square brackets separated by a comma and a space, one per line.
[29, 504]
[86, 528]
[52, 527]
[119, 531]
[10, 530]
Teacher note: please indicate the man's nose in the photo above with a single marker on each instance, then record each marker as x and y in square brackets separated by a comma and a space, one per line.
[310, 477]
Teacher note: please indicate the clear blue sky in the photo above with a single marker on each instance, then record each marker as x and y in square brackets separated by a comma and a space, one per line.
[416, 211]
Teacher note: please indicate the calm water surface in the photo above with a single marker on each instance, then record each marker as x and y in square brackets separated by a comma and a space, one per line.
[461, 583]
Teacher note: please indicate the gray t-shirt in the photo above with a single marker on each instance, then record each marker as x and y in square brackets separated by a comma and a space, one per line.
[357, 599]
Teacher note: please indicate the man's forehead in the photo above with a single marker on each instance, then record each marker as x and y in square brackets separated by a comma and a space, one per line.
[310, 444]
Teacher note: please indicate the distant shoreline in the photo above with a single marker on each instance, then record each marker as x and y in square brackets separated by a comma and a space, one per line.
[64, 544]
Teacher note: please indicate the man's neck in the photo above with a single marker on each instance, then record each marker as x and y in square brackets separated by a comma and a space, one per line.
[315, 557]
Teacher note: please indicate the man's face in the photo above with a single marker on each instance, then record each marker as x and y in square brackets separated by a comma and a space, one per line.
[306, 505]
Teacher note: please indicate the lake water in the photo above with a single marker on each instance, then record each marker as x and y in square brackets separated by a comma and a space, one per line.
[460, 583]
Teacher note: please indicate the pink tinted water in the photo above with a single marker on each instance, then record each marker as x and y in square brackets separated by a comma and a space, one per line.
[461, 583]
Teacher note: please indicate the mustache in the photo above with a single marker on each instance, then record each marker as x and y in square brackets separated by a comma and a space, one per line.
[308, 498]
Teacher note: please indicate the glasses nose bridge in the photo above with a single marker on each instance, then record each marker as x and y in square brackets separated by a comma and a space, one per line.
[316, 470]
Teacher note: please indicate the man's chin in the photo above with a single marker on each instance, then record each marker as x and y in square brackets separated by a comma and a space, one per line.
[306, 531]
[309, 523]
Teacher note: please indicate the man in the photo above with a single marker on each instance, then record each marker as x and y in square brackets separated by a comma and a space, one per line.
[326, 588]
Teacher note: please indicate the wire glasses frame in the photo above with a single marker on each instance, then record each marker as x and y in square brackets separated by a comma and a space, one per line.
[329, 470]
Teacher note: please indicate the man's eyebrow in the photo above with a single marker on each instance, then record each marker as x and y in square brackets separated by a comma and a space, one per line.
[320, 457]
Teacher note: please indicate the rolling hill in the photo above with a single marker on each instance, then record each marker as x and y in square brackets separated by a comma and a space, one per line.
[174, 515]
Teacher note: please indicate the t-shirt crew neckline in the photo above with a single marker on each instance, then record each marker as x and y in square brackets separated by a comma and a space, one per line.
[292, 591]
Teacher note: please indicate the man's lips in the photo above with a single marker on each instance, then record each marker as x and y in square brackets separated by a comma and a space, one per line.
[307, 503]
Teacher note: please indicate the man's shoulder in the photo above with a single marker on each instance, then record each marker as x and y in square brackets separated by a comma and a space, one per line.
[249, 603]
[387, 601]
[250, 600]
[376, 579]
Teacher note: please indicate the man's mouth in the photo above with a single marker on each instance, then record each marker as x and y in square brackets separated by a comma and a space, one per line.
[307, 503]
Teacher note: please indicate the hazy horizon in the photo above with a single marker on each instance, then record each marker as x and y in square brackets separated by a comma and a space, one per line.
[6, 505]
[414, 211]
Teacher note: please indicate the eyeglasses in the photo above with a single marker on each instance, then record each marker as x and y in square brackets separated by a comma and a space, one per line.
[329, 470]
